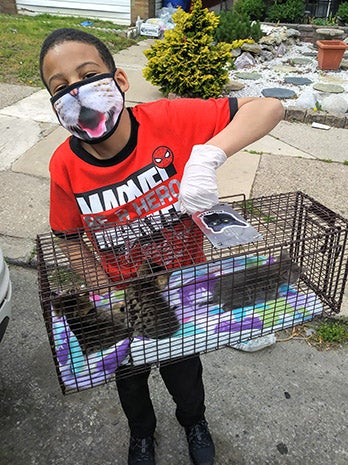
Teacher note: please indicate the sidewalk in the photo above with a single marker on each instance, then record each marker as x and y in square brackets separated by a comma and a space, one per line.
[289, 158]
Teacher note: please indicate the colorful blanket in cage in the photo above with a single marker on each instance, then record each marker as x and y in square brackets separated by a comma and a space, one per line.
[203, 327]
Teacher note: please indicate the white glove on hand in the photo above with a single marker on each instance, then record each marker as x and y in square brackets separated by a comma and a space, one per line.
[198, 188]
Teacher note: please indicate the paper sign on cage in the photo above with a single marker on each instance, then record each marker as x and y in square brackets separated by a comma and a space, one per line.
[224, 227]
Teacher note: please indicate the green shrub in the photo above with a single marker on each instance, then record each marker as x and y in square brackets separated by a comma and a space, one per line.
[187, 61]
[286, 11]
[255, 31]
[332, 331]
[330, 21]
[255, 9]
[342, 12]
[236, 26]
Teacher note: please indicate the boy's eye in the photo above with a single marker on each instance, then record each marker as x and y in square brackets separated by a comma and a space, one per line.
[59, 88]
[89, 75]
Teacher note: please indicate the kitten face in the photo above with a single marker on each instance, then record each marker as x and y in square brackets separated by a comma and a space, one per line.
[72, 304]
[289, 272]
[150, 314]
[95, 328]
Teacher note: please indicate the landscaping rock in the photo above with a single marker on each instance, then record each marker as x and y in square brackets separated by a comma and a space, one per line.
[252, 48]
[245, 60]
[291, 33]
[344, 64]
[329, 33]
[280, 50]
[307, 99]
[335, 104]
[236, 52]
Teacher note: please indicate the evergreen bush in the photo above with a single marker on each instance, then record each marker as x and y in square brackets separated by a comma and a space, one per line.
[342, 12]
[187, 61]
[236, 26]
[286, 11]
[255, 9]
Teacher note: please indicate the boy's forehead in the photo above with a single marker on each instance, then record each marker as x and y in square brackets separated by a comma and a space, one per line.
[69, 55]
[75, 51]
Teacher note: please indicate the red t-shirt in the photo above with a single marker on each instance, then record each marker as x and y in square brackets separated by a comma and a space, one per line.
[143, 179]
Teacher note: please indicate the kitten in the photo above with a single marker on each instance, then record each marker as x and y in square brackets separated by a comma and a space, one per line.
[95, 328]
[149, 313]
[145, 313]
[253, 285]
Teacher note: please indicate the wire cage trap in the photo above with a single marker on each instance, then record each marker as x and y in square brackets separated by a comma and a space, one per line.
[172, 294]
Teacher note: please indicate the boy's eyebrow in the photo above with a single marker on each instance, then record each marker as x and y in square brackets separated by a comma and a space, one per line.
[61, 76]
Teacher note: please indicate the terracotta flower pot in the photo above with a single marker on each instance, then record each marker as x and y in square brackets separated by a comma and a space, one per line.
[330, 53]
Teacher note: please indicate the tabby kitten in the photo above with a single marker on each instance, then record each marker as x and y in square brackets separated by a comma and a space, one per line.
[253, 285]
[95, 328]
[145, 313]
[150, 315]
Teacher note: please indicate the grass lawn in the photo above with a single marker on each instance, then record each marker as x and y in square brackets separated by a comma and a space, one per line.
[21, 38]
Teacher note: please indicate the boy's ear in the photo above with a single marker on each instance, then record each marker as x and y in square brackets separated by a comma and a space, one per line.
[121, 79]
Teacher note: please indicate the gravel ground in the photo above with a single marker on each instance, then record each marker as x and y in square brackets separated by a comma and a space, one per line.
[272, 76]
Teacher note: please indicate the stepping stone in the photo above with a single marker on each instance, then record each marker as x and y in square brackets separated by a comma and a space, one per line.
[284, 69]
[234, 86]
[300, 61]
[330, 88]
[327, 79]
[313, 54]
[278, 92]
[297, 81]
[251, 76]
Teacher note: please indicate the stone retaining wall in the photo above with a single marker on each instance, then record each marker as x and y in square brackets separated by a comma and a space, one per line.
[308, 31]
[302, 115]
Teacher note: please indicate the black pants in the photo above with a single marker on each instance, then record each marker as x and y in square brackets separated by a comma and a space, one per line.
[183, 381]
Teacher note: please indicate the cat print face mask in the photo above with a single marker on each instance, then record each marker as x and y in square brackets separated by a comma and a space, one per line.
[90, 109]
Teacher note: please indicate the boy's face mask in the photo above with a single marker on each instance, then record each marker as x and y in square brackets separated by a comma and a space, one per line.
[90, 109]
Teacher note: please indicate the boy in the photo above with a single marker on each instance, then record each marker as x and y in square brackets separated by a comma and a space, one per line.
[125, 163]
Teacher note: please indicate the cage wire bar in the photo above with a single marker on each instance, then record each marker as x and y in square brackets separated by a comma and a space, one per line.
[169, 300]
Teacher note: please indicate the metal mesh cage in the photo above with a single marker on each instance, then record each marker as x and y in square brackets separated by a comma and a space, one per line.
[172, 294]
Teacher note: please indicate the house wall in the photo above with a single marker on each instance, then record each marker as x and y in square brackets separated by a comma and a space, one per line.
[118, 11]
[144, 8]
[8, 6]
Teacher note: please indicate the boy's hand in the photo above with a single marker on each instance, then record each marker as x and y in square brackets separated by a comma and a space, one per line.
[198, 189]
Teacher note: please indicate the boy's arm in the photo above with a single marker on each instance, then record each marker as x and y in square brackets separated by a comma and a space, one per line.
[84, 263]
[255, 118]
